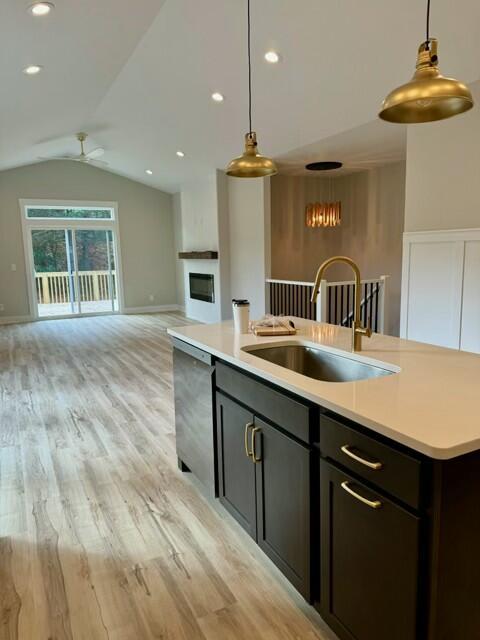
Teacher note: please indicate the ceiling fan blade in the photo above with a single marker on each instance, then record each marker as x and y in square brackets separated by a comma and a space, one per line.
[100, 163]
[95, 153]
[57, 158]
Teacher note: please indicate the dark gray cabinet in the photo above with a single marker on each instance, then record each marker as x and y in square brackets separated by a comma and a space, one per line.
[264, 482]
[369, 561]
[283, 503]
[237, 491]
[382, 539]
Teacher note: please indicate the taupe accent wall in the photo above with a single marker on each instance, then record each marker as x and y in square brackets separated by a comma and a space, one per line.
[146, 229]
[373, 207]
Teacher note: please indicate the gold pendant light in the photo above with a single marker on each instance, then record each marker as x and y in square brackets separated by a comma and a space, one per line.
[323, 214]
[429, 96]
[251, 164]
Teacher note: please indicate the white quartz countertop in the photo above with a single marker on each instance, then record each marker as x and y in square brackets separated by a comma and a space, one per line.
[431, 404]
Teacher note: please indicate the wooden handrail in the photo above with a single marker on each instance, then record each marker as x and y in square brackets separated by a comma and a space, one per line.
[328, 284]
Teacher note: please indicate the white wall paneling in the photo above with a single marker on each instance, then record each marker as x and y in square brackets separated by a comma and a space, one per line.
[440, 291]
[470, 327]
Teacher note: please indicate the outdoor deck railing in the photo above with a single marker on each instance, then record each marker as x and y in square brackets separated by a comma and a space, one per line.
[54, 287]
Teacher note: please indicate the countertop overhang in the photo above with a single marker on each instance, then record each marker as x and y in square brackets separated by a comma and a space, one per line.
[431, 405]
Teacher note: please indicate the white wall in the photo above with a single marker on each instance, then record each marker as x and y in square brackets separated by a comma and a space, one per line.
[249, 230]
[146, 229]
[231, 216]
[224, 247]
[199, 212]
[440, 292]
[178, 240]
[443, 172]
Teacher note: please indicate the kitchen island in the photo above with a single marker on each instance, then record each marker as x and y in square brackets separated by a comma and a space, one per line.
[363, 493]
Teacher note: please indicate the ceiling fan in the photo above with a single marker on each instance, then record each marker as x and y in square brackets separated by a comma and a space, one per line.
[91, 157]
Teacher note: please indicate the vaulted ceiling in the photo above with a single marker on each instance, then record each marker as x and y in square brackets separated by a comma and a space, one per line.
[138, 75]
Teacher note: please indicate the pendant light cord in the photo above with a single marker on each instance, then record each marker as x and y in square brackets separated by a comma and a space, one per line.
[427, 41]
[250, 72]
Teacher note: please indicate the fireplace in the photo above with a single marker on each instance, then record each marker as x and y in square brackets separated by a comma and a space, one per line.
[202, 287]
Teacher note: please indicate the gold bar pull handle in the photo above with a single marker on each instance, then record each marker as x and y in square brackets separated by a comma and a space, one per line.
[373, 504]
[248, 426]
[254, 450]
[376, 466]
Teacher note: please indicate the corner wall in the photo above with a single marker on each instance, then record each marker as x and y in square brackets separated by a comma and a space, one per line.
[199, 219]
[145, 227]
[371, 230]
[231, 216]
[443, 172]
[249, 217]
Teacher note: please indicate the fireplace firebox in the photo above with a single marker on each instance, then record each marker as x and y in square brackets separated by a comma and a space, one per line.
[202, 287]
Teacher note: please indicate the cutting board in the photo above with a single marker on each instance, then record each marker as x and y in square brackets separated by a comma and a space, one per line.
[274, 331]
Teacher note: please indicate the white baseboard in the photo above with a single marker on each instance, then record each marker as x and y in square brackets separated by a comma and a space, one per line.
[127, 310]
[15, 319]
[155, 309]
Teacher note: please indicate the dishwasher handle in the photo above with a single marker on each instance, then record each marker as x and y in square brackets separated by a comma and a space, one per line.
[194, 352]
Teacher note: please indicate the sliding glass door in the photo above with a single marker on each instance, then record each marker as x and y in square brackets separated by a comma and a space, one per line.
[96, 270]
[54, 272]
[74, 271]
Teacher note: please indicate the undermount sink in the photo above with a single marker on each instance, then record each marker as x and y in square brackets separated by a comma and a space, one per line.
[318, 363]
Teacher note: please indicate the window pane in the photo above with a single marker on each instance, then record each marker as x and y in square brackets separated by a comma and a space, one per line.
[70, 213]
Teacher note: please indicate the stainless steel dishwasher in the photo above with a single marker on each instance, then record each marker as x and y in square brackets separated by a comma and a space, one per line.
[193, 371]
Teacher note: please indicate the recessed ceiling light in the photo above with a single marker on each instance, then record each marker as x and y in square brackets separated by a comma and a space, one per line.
[217, 97]
[32, 69]
[149, 171]
[41, 8]
[180, 154]
[272, 57]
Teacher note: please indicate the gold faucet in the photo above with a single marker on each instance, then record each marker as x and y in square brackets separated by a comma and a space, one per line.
[357, 329]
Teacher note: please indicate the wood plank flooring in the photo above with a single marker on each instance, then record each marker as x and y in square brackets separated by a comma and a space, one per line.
[101, 537]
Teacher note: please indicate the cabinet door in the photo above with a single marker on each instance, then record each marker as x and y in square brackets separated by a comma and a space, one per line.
[236, 469]
[369, 561]
[283, 503]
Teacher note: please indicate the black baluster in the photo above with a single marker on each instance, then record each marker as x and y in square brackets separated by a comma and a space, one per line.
[371, 305]
[341, 303]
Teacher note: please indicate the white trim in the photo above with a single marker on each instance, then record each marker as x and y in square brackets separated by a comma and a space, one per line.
[155, 309]
[382, 304]
[302, 284]
[328, 284]
[322, 304]
[442, 235]
[100, 224]
[15, 319]
[45, 203]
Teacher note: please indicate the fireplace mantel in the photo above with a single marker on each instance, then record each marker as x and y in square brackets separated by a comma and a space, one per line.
[198, 255]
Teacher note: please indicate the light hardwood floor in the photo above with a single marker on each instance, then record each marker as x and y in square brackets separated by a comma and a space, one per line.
[101, 537]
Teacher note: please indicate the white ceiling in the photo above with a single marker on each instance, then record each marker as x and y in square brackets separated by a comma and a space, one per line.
[367, 146]
[138, 74]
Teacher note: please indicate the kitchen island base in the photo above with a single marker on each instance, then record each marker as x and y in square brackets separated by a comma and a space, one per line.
[383, 540]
